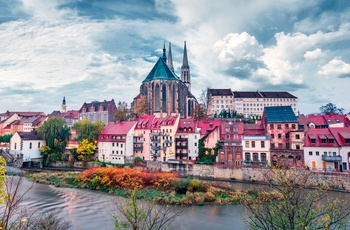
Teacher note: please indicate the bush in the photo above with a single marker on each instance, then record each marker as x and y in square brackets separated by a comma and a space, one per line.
[209, 197]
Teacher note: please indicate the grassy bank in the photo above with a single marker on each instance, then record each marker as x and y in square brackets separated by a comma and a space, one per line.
[159, 187]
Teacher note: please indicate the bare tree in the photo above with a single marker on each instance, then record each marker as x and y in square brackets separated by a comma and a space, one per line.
[205, 99]
[288, 203]
[143, 215]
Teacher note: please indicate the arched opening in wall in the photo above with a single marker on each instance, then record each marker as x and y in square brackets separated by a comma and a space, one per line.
[164, 104]
[290, 161]
[157, 98]
[299, 161]
[274, 160]
[283, 162]
[189, 107]
[263, 157]
[255, 157]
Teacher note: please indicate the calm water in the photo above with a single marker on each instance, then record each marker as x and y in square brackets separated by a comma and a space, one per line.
[87, 209]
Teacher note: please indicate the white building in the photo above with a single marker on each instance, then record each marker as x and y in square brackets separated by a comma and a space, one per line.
[256, 150]
[115, 142]
[26, 145]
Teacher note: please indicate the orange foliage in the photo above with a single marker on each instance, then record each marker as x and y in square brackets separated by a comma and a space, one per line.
[127, 177]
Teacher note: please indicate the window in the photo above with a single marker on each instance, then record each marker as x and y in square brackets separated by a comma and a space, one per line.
[121, 145]
[317, 153]
[272, 136]
[347, 141]
[272, 145]
[15, 145]
[310, 153]
[323, 141]
[325, 153]
[297, 136]
[287, 135]
[113, 144]
[313, 141]
[255, 157]
[331, 141]
[247, 157]
[293, 126]
[271, 126]
[247, 144]
[286, 126]
[262, 144]
[279, 126]
[30, 145]
[334, 154]
[287, 145]
[121, 152]
[263, 157]
[253, 144]
[195, 144]
[38, 144]
[297, 146]
[279, 135]
[280, 146]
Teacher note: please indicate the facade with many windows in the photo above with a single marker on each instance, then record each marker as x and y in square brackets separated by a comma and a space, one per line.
[256, 150]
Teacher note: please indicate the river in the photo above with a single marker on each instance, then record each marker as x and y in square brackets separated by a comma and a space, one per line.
[86, 209]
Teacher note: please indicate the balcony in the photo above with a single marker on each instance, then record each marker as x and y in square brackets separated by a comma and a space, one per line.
[155, 140]
[331, 158]
[138, 148]
[155, 147]
[181, 139]
[181, 146]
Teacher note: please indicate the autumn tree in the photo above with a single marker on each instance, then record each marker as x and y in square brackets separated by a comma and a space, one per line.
[287, 203]
[143, 215]
[86, 150]
[122, 113]
[331, 108]
[88, 130]
[199, 113]
[141, 107]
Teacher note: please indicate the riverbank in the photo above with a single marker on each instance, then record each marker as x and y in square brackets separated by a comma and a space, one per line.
[159, 187]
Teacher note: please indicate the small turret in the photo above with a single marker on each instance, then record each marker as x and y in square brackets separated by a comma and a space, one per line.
[164, 53]
[170, 58]
[185, 70]
[64, 106]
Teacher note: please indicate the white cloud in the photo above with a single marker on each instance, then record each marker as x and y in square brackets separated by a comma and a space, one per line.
[336, 68]
[314, 54]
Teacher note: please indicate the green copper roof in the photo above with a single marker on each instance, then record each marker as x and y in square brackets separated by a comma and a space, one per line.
[161, 71]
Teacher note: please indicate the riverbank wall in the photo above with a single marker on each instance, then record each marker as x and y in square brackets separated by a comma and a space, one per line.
[335, 180]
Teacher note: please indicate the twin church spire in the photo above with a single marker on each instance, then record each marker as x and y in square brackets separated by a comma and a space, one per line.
[185, 68]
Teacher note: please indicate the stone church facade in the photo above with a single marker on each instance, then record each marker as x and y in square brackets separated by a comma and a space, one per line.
[165, 93]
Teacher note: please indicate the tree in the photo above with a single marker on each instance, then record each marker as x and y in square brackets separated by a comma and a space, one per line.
[143, 215]
[6, 138]
[331, 108]
[55, 132]
[287, 203]
[208, 155]
[86, 150]
[205, 99]
[141, 107]
[122, 113]
[199, 113]
[14, 215]
[88, 130]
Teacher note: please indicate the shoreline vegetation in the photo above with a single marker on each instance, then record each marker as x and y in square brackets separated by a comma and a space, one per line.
[158, 187]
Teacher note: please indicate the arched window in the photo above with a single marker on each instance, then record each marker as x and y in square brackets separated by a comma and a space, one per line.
[157, 98]
[164, 94]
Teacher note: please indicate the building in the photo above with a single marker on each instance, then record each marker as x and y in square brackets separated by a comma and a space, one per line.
[328, 149]
[256, 146]
[115, 143]
[142, 137]
[25, 147]
[96, 110]
[186, 140]
[248, 103]
[218, 100]
[230, 154]
[281, 125]
[164, 92]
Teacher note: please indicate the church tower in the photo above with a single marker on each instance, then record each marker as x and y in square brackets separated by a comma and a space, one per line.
[170, 58]
[185, 70]
[63, 106]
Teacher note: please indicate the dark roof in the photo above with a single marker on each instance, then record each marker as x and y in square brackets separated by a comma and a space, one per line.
[280, 114]
[161, 71]
[259, 94]
[220, 92]
[97, 104]
[28, 136]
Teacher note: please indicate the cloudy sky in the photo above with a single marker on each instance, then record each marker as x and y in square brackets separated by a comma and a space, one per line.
[89, 50]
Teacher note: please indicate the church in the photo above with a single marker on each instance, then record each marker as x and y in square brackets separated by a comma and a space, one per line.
[163, 92]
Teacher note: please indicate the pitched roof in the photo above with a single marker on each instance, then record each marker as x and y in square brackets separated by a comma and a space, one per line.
[279, 114]
[259, 94]
[96, 104]
[28, 136]
[161, 71]
[318, 135]
[121, 128]
[144, 122]
[220, 92]
[254, 130]
[187, 125]
[165, 121]
[341, 134]
[206, 126]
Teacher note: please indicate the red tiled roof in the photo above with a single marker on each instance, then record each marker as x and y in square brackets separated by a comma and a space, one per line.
[340, 134]
[319, 134]
[336, 118]
[187, 125]
[254, 130]
[121, 128]
[206, 126]
[167, 121]
[144, 122]
[72, 114]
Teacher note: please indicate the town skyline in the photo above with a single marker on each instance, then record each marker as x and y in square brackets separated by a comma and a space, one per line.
[89, 51]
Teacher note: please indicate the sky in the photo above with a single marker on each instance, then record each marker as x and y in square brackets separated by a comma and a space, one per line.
[95, 50]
